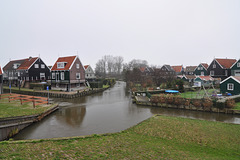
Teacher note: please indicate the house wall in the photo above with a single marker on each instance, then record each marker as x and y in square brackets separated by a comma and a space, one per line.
[89, 73]
[223, 87]
[198, 72]
[218, 71]
[1, 84]
[235, 70]
[74, 70]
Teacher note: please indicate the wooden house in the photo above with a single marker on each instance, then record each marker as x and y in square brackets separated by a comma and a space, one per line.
[235, 68]
[201, 69]
[230, 85]
[205, 81]
[10, 75]
[89, 73]
[178, 69]
[167, 72]
[33, 69]
[189, 78]
[189, 70]
[68, 74]
[1, 81]
[220, 68]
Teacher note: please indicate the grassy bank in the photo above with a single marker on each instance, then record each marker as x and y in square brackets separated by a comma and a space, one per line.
[197, 94]
[159, 137]
[14, 108]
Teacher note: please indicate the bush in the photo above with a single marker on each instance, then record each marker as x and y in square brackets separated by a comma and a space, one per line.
[230, 103]
[207, 104]
[178, 100]
[186, 102]
[169, 99]
[197, 103]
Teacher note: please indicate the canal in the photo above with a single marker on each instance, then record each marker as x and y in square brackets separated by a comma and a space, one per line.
[107, 112]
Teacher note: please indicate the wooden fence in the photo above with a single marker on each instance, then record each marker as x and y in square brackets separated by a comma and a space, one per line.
[25, 98]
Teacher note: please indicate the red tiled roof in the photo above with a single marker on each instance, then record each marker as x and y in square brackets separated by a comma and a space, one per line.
[205, 65]
[237, 78]
[0, 70]
[226, 63]
[142, 69]
[86, 66]
[69, 60]
[190, 76]
[206, 78]
[27, 63]
[177, 68]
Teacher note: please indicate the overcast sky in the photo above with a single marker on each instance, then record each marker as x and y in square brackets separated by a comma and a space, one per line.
[160, 31]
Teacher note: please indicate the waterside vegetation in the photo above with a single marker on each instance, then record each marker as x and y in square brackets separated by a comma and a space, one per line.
[159, 137]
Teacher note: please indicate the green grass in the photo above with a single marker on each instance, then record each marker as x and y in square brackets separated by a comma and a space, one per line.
[16, 88]
[105, 86]
[14, 108]
[195, 93]
[237, 106]
[159, 137]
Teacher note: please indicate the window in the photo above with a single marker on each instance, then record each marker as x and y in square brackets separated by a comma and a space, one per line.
[202, 73]
[18, 74]
[77, 75]
[211, 73]
[62, 75]
[77, 65]
[60, 64]
[237, 73]
[36, 66]
[238, 64]
[42, 66]
[199, 68]
[53, 75]
[230, 86]
[226, 73]
[42, 75]
[214, 65]
[16, 65]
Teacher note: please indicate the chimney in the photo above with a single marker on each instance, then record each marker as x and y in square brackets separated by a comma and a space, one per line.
[30, 58]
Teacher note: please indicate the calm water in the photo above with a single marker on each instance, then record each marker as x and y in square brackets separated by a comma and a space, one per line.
[107, 112]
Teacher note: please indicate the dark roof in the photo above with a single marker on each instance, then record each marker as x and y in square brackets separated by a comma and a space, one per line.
[226, 63]
[27, 63]
[69, 60]
[169, 68]
[9, 65]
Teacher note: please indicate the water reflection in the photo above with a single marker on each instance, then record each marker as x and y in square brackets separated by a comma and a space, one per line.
[107, 112]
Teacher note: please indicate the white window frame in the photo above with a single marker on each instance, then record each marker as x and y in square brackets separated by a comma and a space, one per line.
[60, 64]
[42, 75]
[77, 66]
[226, 73]
[214, 65]
[78, 76]
[42, 66]
[238, 64]
[230, 86]
[237, 72]
[62, 75]
[36, 65]
[211, 73]
[202, 73]
[53, 75]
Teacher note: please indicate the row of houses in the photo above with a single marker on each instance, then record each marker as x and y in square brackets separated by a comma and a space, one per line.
[219, 70]
[67, 73]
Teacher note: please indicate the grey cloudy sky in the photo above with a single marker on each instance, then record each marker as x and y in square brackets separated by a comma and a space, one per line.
[160, 31]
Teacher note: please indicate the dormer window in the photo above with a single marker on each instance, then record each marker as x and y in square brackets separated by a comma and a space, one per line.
[16, 65]
[61, 64]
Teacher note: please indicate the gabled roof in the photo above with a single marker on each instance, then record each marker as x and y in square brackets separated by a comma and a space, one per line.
[205, 65]
[1, 71]
[86, 66]
[206, 78]
[190, 68]
[9, 65]
[169, 68]
[177, 68]
[142, 69]
[235, 63]
[189, 76]
[27, 63]
[68, 63]
[236, 78]
[226, 63]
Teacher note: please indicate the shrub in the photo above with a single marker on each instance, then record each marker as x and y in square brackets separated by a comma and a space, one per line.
[186, 102]
[230, 103]
[154, 99]
[178, 100]
[207, 103]
[169, 99]
[197, 103]
[161, 98]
